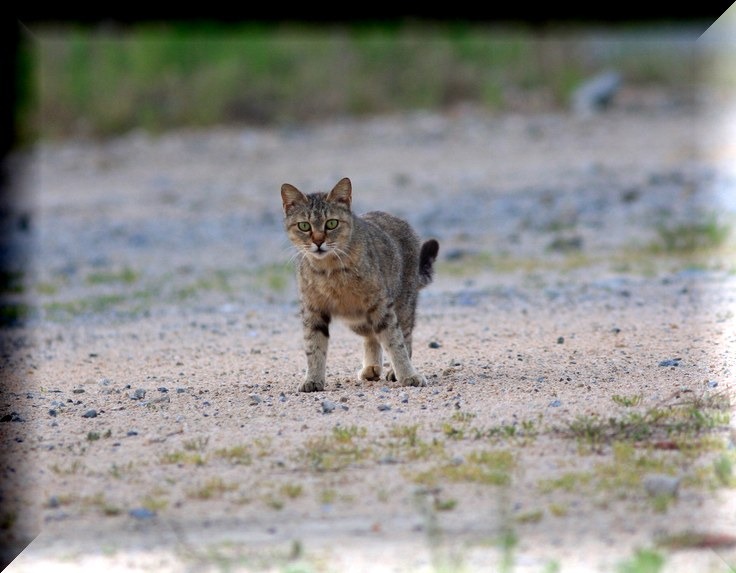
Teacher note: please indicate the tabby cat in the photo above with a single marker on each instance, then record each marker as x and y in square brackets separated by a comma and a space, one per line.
[366, 270]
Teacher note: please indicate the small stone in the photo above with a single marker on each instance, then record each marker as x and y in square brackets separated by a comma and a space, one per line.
[78, 391]
[131, 433]
[435, 344]
[12, 417]
[404, 397]
[661, 484]
[282, 397]
[90, 414]
[670, 362]
[142, 513]
[139, 394]
[328, 406]
[383, 407]
[560, 340]
[555, 404]
[52, 413]
[255, 399]
[712, 383]
[181, 390]
[163, 389]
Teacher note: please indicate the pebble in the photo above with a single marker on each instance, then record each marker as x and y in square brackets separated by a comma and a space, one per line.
[435, 344]
[139, 394]
[328, 406]
[404, 397]
[255, 399]
[560, 340]
[555, 404]
[141, 513]
[383, 407]
[670, 362]
[12, 417]
[90, 414]
[661, 484]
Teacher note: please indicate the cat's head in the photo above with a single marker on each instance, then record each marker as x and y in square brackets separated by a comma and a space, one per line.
[319, 224]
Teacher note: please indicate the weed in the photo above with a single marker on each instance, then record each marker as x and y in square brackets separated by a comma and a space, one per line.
[73, 468]
[643, 561]
[485, 467]
[183, 458]
[126, 276]
[238, 455]
[723, 469]
[119, 472]
[463, 417]
[335, 451]
[445, 504]
[532, 516]
[691, 236]
[154, 503]
[569, 482]
[682, 418]
[627, 401]
[522, 433]
[196, 444]
[327, 496]
[213, 488]
[407, 444]
[452, 432]
[98, 500]
[558, 509]
[345, 435]
[291, 490]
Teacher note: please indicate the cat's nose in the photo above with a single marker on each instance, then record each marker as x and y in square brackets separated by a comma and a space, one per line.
[318, 238]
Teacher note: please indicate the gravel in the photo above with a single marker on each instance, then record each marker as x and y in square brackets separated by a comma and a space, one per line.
[161, 261]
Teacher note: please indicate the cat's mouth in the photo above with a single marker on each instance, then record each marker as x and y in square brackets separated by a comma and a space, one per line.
[319, 252]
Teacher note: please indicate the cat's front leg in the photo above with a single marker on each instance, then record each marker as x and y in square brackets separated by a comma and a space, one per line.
[316, 338]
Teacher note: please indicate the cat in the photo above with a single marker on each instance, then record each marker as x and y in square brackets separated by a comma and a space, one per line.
[366, 270]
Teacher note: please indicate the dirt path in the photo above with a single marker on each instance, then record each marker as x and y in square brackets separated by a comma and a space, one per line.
[577, 347]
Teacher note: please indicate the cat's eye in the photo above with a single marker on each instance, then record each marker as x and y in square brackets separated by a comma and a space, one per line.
[303, 226]
[331, 224]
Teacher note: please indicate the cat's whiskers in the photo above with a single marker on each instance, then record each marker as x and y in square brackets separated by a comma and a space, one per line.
[337, 252]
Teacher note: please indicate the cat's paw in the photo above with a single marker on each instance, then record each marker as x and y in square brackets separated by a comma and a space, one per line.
[310, 385]
[371, 373]
[391, 375]
[415, 380]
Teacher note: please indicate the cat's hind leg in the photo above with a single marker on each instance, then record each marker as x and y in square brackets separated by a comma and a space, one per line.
[392, 339]
[372, 359]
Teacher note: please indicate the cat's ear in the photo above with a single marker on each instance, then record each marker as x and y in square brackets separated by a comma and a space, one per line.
[342, 192]
[291, 196]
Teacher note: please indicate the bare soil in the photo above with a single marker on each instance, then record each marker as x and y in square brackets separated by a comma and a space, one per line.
[150, 416]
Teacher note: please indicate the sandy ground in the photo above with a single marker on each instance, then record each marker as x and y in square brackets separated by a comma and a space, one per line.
[150, 416]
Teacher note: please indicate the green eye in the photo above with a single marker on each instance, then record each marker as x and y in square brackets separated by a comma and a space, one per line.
[304, 226]
[331, 224]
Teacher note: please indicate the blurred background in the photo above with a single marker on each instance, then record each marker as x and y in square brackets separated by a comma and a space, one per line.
[106, 78]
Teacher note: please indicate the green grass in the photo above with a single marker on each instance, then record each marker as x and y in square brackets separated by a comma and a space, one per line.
[691, 236]
[162, 75]
[487, 467]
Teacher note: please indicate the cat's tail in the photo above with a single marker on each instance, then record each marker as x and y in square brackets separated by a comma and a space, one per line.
[427, 256]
